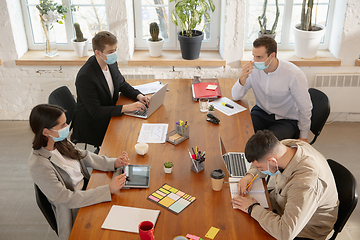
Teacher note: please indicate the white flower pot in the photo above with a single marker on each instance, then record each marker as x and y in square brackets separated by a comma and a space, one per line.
[167, 170]
[81, 48]
[307, 42]
[155, 48]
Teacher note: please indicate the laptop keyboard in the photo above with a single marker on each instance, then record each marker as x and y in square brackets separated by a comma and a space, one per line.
[235, 164]
[141, 112]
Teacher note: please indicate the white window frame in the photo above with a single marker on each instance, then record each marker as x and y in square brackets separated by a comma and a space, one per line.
[287, 28]
[68, 22]
[173, 43]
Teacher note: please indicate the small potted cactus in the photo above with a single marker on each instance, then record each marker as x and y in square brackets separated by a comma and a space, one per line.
[168, 167]
[79, 42]
[155, 43]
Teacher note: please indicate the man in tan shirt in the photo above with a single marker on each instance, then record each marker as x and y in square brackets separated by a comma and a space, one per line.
[305, 199]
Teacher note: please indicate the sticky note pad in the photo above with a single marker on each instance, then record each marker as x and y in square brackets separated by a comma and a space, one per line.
[193, 237]
[211, 87]
[212, 232]
[166, 201]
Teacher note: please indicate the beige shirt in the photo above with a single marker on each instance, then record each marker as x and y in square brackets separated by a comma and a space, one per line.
[305, 197]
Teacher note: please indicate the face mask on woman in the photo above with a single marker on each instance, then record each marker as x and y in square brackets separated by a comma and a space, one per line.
[63, 133]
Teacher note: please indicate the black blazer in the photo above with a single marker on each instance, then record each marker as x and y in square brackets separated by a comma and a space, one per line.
[95, 107]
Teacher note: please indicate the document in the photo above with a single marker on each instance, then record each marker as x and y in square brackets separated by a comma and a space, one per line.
[257, 191]
[127, 219]
[153, 133]
[218, 104]
[149, 88]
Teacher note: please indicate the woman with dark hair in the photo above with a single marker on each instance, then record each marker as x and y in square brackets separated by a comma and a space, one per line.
[58, 167]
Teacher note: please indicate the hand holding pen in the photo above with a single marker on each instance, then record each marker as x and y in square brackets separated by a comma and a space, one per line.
[245, 184]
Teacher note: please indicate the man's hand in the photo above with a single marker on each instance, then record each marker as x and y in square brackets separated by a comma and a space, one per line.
[117, 183]
[246, 70]
[243, 183]
[122, 160]
[133, 107]
[144, 99]
[243, 203]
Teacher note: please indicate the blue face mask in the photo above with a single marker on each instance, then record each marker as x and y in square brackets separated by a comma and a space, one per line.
[63, 133]
[267, 172]
[261, 65]
[111, 58]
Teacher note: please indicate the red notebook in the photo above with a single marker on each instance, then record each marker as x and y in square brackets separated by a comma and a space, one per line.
[200, 90]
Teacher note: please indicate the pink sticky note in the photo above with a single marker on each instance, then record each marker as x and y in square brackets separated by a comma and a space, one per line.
[192, 237]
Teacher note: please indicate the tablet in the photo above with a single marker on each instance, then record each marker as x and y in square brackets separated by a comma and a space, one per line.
[138, 176]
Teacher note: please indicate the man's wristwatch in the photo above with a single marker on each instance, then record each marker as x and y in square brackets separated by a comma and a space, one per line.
[251, 207]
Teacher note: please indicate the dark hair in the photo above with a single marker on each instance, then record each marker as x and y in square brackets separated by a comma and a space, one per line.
[260, 144]
[268, 42]
[103, 38]
[46, 116]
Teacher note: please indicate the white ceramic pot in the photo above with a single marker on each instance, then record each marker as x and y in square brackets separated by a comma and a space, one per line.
[155, 48]
[307, 42]
[167, 170]
[81, 48]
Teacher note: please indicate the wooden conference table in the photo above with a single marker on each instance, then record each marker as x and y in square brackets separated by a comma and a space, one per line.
[210, 208]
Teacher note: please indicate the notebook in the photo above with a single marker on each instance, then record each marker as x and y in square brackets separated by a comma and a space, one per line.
[235, 162]
[156, 101]
[206, 88]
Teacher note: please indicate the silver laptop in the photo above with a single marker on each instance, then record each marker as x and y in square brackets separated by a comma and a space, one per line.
[235, 162]
[156, 101]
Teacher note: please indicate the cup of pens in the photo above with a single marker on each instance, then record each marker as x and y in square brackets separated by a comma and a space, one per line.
[197, 160]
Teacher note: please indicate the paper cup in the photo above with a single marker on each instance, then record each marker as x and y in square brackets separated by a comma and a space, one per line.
[217, 179]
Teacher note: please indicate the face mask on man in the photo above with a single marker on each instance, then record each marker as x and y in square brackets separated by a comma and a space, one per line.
[267, 172]
[111, 58]
[63, 133]
[261, 65]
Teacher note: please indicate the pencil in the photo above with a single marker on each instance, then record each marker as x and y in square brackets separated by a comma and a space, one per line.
[251, 182]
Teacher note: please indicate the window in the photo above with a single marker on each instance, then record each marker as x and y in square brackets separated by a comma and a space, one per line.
[147, 11]
[90, 14]
[290, 12]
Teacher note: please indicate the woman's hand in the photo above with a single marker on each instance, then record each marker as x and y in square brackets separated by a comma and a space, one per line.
[144, 99]
[117, 183]
[122, 160]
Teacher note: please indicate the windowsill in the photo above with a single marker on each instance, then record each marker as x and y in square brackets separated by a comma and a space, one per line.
[357, 62]
[173, 58]
[64, 58]
[323, 59]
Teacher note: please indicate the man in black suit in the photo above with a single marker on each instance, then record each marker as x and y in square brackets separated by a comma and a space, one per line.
[98, 84]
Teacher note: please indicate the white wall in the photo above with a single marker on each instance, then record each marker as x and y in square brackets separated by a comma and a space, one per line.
[22, 87]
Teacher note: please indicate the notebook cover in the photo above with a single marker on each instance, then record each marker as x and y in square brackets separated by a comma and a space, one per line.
[201, 91]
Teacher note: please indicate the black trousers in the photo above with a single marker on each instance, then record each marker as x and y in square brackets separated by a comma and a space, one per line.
[282, 128]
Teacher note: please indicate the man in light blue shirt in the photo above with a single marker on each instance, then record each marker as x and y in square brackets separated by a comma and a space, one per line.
[283, 104]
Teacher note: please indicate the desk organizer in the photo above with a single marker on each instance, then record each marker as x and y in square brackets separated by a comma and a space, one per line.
[197, 166]
[181, 131]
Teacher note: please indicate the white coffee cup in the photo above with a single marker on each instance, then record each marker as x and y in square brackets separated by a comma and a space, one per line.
[141, 148]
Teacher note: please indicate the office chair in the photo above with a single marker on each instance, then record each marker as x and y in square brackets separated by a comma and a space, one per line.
[62, 97]
[347, 193]
[45, 207]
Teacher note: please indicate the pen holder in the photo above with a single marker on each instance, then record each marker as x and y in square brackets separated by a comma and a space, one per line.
[182, 131]
[180, 134]
[197, 166]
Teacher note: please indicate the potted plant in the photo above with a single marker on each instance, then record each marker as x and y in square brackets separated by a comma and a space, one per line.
[155, 43]
[168, 167]
[211, 109]
[191, 14]
[79, 42]
[263, 20]
[307, 35]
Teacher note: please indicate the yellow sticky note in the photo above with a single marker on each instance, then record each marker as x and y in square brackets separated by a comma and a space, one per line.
[212, 232]
[166, 201]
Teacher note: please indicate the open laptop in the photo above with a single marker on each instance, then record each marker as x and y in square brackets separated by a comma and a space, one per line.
[156, 101]
[235, 163]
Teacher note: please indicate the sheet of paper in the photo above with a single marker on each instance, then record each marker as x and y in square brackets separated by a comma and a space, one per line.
[226, 110]
[257, 191]
[127, 219]
[149, 88]
[212, 232]
[153, 132]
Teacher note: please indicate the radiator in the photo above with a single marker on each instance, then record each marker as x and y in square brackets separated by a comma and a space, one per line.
[139, 76]
[343, 91]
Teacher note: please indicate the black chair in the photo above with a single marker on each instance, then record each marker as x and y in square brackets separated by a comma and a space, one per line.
[62, 97]
[45, 207]
[347, 193]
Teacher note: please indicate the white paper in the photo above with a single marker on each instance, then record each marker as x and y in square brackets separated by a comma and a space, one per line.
[149, 88]
[128, 218]
[226, 110]
[153, 133]
[257, 191]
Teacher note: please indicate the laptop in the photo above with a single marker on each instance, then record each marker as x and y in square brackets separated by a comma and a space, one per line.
[138, 176]
[156, 101]
[235, 162]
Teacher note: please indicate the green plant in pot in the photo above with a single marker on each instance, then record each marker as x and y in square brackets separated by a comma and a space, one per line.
[168, 167]
[308, 35]
[79, 42]
[190, 14]
[263, 21]
[155, 43]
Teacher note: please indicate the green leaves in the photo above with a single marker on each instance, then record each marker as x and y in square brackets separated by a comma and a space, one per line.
[191, 13]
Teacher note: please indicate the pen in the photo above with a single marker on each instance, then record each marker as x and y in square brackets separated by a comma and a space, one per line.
[251, 181]
[227, 105]
[230, 182]
[192, 160]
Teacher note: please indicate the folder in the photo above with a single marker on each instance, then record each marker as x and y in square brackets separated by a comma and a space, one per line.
[205, 89]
